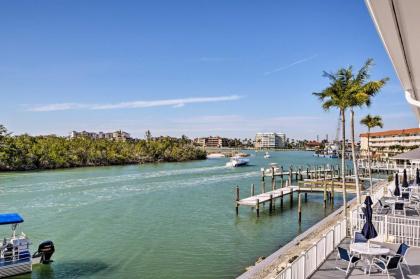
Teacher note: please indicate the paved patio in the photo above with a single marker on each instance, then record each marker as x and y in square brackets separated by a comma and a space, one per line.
[328, 268]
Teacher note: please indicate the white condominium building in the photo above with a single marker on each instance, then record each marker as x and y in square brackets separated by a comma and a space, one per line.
[389, 143]
[117, 135]
[270, 140]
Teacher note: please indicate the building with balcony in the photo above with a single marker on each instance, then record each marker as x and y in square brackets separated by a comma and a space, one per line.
[270, 140]
[117, 135]
[386, 144]
[216, 142]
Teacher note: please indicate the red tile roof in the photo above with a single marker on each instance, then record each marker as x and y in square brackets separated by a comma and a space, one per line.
[393, 133]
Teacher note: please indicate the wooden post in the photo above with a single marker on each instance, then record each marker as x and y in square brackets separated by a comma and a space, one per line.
[252, 189]
[339, 173]
[257, 207]
[263, 187]
[299, 208]
[291, 197]
[300, 174]
[332, 189]
[281, 172]
[308, 176]
[290, 176]
[262, 175]
[281, 199]
[237, 200]
[306, 197]
[271, 203]
[272, 173]
[273, 185]
[325, 194]
[297, 175]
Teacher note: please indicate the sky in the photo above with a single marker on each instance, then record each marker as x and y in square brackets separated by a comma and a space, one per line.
[199, 68]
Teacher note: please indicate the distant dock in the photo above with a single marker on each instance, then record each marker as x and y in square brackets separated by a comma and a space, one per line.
[318, 179]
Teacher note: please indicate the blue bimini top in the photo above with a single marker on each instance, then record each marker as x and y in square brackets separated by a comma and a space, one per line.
[10, 218]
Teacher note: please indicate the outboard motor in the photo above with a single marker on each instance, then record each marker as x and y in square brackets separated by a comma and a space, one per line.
[45, 251]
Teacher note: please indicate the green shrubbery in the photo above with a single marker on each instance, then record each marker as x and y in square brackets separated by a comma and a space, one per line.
[26, 152]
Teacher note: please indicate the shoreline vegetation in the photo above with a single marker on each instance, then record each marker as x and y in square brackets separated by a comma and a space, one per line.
[25, 152]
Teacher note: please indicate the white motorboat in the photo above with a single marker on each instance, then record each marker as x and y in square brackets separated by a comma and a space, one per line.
[215, 156]
[273, 166]
[267, 155]
[330, 151]
[237, 162]
[15, 257]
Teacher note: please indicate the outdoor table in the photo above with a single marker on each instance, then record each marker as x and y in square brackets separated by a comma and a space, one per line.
[393, 201]
[367, 252]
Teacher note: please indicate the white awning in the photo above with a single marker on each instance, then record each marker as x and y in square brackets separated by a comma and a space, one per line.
[398, 24]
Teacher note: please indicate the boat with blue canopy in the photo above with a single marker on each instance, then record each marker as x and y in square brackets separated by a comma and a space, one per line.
[15, 256]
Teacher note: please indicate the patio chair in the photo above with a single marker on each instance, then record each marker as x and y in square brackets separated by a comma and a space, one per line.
[344, 255]
[402, 251]
[415, 198]
[391, 263]
[359, 238]
[413, 206]
[399, 206]
[383, 207]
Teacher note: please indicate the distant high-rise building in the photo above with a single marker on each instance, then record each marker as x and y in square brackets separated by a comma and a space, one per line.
[270, 140]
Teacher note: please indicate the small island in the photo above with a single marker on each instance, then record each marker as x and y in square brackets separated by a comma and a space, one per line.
[25, 152]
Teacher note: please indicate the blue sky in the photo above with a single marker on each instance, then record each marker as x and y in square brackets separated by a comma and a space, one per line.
[199, 68]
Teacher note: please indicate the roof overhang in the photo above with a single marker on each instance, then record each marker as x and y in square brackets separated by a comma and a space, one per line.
[398, 23]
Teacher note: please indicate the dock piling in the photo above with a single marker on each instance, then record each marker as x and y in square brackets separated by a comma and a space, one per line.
[257, 207]
[299, 208]
[291, 197]
[281, 199]
[290, 176]
[237, 200]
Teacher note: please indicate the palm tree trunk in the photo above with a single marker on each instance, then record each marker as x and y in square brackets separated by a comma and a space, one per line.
[343, 155]
[370, 170]
[353, 151]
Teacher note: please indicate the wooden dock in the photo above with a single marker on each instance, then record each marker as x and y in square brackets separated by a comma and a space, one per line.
[327, 187]
[297, 181]
[300, 173]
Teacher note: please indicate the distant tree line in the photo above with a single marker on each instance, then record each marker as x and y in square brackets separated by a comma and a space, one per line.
[25, 152]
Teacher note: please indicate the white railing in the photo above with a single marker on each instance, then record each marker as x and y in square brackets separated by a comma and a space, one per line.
[392, 229]
[310, 259]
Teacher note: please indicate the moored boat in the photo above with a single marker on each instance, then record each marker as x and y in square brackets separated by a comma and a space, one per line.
[15, 256]
[237, 162]
[215, 156]
[267, 155]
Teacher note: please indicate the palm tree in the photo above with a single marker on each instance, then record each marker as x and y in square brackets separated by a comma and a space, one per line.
[361, 91]
[371, 122]
[336, 95]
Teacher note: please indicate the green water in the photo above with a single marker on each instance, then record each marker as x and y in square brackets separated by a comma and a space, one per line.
[172, 220]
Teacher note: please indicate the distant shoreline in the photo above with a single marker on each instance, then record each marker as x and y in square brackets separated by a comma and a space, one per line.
[98, 166]
[24, 152]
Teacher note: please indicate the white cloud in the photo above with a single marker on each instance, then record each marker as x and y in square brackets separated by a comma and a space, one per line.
[132, 105]
[290, 65]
